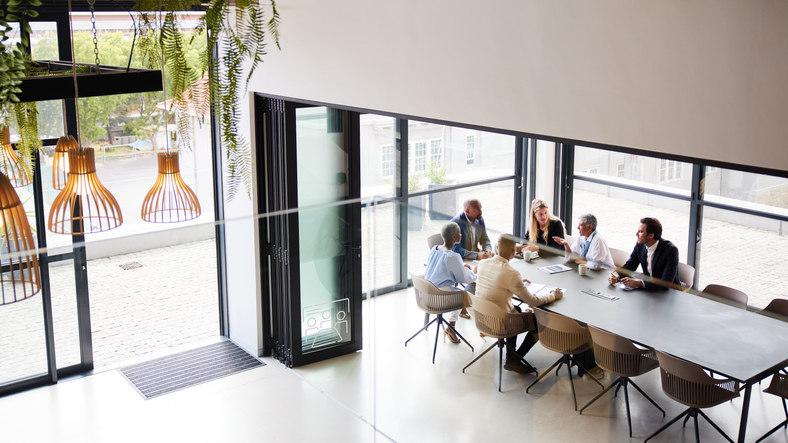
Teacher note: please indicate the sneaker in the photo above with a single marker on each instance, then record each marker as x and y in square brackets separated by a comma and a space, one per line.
[597, 373]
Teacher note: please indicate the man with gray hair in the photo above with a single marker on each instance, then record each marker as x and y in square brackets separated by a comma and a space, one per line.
[589, 247]
[474, 244]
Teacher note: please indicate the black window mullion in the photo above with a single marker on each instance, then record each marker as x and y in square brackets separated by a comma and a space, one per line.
[696, 218]
[401, 209]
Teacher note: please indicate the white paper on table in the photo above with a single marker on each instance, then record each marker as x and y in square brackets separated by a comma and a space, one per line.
[621, 285]
[541, 289]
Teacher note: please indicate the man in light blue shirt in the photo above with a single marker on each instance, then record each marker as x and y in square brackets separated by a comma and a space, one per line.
[446, 270]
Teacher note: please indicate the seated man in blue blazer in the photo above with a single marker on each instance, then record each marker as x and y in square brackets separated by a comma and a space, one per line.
[658, 257]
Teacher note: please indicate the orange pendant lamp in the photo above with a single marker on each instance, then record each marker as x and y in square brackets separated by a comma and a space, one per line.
[22, 279]
[84, 206]
[60, 161]
[9, 163]
[170, 200]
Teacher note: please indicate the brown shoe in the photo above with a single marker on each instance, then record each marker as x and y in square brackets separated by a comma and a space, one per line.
[449, 332]
[464, 314]
[514, 363]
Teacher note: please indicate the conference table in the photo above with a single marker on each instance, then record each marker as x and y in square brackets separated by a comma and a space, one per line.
[727, 340]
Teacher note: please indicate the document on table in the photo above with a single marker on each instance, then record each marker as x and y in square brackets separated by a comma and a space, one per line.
[554, 269]
[621, 285]
[540, 289]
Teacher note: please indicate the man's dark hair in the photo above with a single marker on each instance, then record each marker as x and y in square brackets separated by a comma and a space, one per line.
[653, 226]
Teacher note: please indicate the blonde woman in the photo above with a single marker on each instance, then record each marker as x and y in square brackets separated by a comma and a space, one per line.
[543, 228]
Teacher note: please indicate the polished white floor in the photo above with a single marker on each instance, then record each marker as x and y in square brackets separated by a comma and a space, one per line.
[386, 392]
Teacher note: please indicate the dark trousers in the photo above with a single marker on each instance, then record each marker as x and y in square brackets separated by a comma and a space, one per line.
[528, 342]
[586, 359]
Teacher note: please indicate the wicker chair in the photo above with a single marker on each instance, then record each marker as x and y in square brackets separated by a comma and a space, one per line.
[494, 322]
[436, 301]
[619, 356]
[686, 275]
[778, 387]
[735, 296]
[565, 336]
[619, 257]
[778, 306]
[434, 240]
[688, 384]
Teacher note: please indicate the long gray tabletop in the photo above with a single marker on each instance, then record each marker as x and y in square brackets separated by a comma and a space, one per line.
[727, 340]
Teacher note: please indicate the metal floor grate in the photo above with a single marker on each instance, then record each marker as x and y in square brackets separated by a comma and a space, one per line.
[189, 368]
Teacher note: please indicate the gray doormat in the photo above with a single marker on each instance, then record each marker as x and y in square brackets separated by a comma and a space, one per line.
[189, 368]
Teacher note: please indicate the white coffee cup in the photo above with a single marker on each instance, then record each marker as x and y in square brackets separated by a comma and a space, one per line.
[582, 269]
[528, 255]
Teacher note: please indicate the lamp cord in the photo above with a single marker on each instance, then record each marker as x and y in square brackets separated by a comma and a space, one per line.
[74, 72]
[163, 82]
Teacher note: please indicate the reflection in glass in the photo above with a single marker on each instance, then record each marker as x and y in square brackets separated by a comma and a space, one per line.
[378, 251]
[633, 169]
[378, 156]
[322, 227]
[22, 348]
[753, 191]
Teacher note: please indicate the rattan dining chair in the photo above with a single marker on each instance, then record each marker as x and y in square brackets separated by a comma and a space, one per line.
[565, 336]
[434, 240]
[619, 257]
[735, 296]
[778, 306]
[619, 356]
[686, 275]
[778, 387]
[493, 322]
[436, 301]
[689, 385]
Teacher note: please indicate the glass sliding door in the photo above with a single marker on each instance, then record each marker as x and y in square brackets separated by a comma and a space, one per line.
[312, 260]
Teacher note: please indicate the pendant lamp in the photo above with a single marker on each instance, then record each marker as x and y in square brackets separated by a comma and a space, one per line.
[60, 160]
[84, 206]
[9, 163]
[20, 277]
[170, 200]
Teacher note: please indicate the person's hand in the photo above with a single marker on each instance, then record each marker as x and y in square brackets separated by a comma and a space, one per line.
[581, 261]
[631, 282]
[613, 278]
[558, 294]
[519, 249]
[526, 281]
[475, 269]
[484, 254]
[560, 240]
[531, 247]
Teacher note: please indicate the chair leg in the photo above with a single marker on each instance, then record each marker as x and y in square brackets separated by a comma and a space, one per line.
[572, 383]
[713, 424]
[480, 356]
[616, 393]
[667, 425]
[420, 330]
[645, 395]
[571, 359]
[560, 360]
[626, 400]
[615, 383]
[500, 363]
[686, 419]
[784, 423]
[697, 429]
[437, 333]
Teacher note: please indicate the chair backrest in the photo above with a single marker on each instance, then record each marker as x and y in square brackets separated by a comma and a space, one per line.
[779, 385]
[561, 334]
[736, 296]
[434, 240]
[619, 257]
[618, 355]
[686, 274]
[778, 306]
[433, 300]
[689, 384]
[493, 321]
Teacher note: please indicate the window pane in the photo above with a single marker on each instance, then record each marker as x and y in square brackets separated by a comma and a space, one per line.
[752, 191]
[496, 199]
[378, 156]
[618, 212]
[439, 154]
[23, 347]
[378, 250]
[655, 173]
[729, 255]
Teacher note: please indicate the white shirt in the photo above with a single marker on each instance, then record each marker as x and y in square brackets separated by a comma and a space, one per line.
[598, 254]
[650, 256]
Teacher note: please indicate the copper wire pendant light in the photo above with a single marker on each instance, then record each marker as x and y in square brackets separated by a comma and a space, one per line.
[84, 206]
[20, 278]
[9, 163]
[60, 160]
[170, 200]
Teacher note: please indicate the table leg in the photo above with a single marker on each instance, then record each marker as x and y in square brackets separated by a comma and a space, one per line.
[744, 410]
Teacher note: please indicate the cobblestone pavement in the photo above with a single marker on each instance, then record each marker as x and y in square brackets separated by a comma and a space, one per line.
[167, 298]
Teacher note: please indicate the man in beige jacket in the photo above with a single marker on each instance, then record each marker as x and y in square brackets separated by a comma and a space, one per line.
[497, 281]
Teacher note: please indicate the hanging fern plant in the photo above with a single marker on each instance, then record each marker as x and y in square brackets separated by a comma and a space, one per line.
[237, 30]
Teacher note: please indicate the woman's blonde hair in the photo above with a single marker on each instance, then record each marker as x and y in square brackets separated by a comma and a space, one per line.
[536, 205]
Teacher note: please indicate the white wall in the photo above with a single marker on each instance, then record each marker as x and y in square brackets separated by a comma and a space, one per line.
[699, 78]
